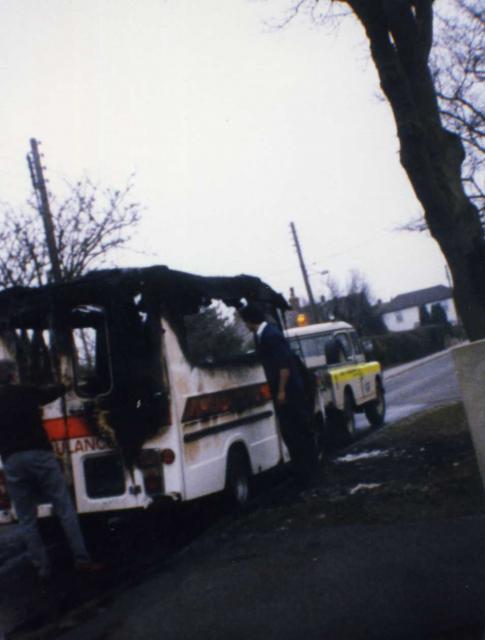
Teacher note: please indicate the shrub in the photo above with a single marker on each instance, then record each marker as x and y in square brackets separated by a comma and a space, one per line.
[403, 346]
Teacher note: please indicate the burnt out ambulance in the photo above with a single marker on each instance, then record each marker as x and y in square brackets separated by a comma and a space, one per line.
[151, 412]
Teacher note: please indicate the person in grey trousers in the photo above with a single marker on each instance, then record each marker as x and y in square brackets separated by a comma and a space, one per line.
[32, 470]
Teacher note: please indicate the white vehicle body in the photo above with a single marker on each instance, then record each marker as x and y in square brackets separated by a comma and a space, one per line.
[206, 426]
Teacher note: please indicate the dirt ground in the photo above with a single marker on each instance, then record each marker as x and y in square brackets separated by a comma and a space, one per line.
[422, 468]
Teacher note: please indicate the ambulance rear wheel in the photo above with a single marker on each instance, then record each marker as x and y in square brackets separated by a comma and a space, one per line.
[238, 478]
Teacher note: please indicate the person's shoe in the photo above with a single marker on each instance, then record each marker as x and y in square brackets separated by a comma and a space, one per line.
[88, 566]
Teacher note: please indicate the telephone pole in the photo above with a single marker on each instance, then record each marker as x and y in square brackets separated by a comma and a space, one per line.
[40, 190]
[38, 182]
[313, 307]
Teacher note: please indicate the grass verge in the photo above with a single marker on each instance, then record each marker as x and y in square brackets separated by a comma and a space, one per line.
[423, 467]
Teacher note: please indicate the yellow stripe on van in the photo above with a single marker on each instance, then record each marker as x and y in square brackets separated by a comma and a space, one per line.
[347, 372]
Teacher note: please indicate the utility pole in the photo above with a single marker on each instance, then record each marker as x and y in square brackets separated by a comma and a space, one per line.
[313, 307]
[38, 182]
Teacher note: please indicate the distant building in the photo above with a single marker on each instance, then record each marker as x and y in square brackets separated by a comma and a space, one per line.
[403, 312]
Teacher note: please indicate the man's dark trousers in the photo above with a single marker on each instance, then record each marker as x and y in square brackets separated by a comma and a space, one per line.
[294, 415]
[295, 425]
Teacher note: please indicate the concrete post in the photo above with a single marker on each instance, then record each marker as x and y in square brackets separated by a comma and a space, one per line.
[470, 369]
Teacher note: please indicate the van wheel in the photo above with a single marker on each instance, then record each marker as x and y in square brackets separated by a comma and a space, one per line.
[322, 440]
[347, 418]
[375, 410]
[238, 478]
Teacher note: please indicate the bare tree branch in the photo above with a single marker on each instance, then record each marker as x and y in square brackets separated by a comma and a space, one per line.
[90, 223]
[435, 151]
[458, 63]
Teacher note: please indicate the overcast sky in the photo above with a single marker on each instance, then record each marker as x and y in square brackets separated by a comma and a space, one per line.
[233, 129]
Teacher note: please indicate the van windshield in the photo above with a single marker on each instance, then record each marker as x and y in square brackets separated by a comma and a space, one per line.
[310, 346]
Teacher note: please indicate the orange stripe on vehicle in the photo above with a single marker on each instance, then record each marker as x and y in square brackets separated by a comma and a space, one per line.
[236, 400]
[73, 427]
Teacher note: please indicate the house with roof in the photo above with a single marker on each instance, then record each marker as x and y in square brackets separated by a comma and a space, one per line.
[403, 312]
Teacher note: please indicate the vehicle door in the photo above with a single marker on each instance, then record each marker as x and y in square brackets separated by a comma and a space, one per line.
[367, 371]
[351, 371]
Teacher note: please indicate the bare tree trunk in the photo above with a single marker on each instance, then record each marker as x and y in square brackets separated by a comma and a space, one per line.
[400, 35]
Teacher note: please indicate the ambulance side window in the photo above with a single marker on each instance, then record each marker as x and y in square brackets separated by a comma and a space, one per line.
[92, 372]
[215, 335]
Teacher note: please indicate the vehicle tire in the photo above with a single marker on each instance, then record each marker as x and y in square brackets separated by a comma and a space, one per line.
[347, 419]
[238, 478]
[322, 439]
[375, 410]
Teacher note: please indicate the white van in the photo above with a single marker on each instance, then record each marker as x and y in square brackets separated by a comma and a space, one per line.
[150, 415]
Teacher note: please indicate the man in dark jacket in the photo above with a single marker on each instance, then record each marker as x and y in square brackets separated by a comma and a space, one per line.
[32, 470]
[288, 391]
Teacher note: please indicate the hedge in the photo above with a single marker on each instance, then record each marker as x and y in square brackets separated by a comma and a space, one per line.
[403, 346]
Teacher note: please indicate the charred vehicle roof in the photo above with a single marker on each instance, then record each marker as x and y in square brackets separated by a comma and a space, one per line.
[181, 292]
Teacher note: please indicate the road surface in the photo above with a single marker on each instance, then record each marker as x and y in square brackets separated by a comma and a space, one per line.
[417, 386]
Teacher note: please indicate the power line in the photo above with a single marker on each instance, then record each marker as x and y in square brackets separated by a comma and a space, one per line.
[347, 251]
